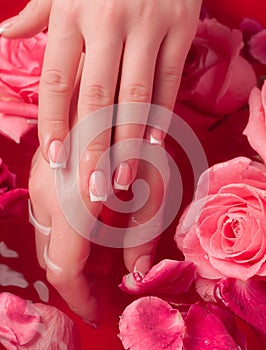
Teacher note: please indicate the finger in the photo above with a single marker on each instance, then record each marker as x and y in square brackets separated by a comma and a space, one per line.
[42, 232]
[38, 215]
[134, 97]
[59, 71]
[66, 257]
[97, 91]
[169, 67]
[148, 221]
[30, 21]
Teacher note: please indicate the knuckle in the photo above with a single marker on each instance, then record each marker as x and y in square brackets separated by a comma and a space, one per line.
[53, 127]
[112, 11]
[54, 80]
[171, 74]
[96, 147]
[135, 93]
[94, 97]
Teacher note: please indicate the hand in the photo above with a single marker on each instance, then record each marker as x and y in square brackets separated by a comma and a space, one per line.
[135, 48]
[63, 252]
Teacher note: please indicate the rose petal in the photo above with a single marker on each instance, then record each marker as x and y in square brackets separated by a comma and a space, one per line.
[19, 108]
[35, 326]
[167, 277]
[57, 332]
[15, 127]
[257, 46]
[246, 299]
[150, 323]
[13, 202]
[20, 316]
[209, 327]
[255, 129]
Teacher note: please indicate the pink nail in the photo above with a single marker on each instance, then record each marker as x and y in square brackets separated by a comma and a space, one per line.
[98, 187]
[156, 136]
[143, 264]
[57, 155]
[122, 177]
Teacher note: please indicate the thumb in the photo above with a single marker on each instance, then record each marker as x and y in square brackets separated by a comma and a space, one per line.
[30, 21]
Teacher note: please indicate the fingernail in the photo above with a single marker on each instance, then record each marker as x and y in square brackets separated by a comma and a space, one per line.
[156, 136]
[57, 155]
[50, 264]
[122, 177]
[7, 24]
[98, 187]
[143, 264]
[90, 323]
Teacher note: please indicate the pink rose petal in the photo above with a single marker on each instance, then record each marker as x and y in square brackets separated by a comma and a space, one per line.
[35, 326]
[246, 299]
[15, 127]
[256, 127]
[150, 323]
[210, 327]
[18, 317]
[169, 277]
[19, 108]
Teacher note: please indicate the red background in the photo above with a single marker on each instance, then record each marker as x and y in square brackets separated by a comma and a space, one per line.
[227, 11]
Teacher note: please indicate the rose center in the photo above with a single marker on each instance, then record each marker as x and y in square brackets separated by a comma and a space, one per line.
[231, 228]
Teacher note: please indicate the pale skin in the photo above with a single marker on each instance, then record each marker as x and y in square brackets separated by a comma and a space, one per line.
[136, 49]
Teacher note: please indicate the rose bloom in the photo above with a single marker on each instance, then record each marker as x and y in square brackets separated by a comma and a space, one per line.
[223, 231]
[216, 79]
[20, 68]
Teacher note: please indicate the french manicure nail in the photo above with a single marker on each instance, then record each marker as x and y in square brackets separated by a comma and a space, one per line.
[156, 136]
[57, 155]
[122, 177]
[143, 264]
[98, 187]
[50, 264]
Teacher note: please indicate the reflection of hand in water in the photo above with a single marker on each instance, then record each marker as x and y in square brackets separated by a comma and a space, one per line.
[34, 326]
[63, 252]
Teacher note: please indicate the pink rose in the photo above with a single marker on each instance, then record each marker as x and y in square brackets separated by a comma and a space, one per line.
[223, 231]
[20, 68]
[256, 127]
[216, 79]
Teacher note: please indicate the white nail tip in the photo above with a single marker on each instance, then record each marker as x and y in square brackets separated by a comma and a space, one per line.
[46, 230]
[50, 264]
[54, 165]
[154, 141]
[2, 30]
[94, 198]
[117, 186]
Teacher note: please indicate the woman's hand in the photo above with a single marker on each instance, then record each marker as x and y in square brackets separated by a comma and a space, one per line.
[64, 252]
[135, 49]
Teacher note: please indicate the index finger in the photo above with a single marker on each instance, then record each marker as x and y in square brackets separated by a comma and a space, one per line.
[59, 71]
